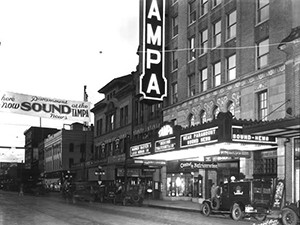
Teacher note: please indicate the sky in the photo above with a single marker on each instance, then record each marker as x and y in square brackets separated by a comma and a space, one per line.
[52, 48]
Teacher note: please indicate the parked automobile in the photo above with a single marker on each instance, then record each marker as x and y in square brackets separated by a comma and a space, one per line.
[133, 195]
[241, 199]
[290, 214]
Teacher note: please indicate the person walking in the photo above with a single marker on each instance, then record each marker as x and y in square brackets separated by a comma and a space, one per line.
[21, 193]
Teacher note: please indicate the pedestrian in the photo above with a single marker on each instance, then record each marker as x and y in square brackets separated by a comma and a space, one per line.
[213, 190]
[21, 193]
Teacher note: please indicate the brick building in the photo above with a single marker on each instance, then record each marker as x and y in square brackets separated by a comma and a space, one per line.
[232, 56]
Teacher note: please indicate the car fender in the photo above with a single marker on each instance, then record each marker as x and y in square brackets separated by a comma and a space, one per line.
[292, 207]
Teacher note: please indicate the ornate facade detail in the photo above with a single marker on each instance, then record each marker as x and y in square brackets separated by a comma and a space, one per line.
[222, 103]
[236, 99]
[260, 87]
[208, 107]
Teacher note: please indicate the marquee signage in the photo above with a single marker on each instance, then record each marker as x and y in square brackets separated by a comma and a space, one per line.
[237, 135]
[235, 153]
[217, 158]
[190, 165]
[165, 145]
[199, 137]
[50, 108]
[139, 150]
[153, 83]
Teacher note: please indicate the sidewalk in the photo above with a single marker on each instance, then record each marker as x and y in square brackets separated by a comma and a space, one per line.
[174, 205]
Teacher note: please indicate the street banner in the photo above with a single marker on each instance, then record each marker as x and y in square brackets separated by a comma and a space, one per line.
[50, 108]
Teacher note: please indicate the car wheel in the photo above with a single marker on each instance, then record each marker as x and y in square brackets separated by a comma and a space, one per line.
[206, 209]
[289, 217]
[215, 203]
[236, 212]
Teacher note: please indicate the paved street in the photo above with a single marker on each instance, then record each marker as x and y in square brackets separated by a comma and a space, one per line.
[32, 210]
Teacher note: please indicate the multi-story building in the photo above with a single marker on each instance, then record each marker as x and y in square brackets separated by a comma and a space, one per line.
[66, 149]
[33, 137]
[231, 56]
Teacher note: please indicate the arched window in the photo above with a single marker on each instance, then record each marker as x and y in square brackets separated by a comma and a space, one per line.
[203, 117]
[230, 107]
[216, 112]
[191, 120]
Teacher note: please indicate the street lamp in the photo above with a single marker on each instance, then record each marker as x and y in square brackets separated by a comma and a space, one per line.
[99, 172]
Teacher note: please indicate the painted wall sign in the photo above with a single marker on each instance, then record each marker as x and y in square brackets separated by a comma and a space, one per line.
[199, 137]
[153, 83]
[237, 135]
[50, 108]
[165, 145]
[278, 196]
[139, 150]
[235, 153]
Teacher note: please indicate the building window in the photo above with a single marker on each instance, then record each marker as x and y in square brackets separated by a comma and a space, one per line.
[99, 127]
[231, 67]
[174, 93]
[262, 54]
[217, 34]
[126, 115]
[191, 120]
[71, 162]
[203, 7]
[203, 80]
[217, 73]
[110, 122]
[203, 42]
[191, 49]
[71, 147]
[203, 117]
[262, 10]
[192, 85]
[174, 59]
[216, 112]
[192, 12]
[231, 25]
[174, 26]
[262, 105]
[216, 2]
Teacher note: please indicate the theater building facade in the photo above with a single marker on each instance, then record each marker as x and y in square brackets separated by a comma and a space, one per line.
[222, 58]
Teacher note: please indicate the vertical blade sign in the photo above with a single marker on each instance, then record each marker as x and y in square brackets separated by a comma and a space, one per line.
[153, 83]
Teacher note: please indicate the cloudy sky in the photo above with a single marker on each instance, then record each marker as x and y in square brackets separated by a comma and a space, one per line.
[51, 48]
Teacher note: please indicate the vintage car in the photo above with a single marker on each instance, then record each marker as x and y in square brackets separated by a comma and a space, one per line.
[133, 195]
[290, 214]
[84, 191]
[241, 199]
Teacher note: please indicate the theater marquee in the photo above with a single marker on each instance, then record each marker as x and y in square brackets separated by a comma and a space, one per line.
[153, 83]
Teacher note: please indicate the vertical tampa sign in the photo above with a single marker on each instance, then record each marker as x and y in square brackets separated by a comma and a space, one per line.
[153, 83]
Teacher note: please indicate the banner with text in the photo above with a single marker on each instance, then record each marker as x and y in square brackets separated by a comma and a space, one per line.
[50, 108]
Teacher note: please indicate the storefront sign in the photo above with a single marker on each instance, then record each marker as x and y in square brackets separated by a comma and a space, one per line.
[237, 135]
[130, 172]
[139, 150]
[191, 165]
[116, 159]
[165, 145]
[154, 162]
[153, 83]
[50, 108]
[235, 153]
[217, 158]
[199, 137]
[278, 196]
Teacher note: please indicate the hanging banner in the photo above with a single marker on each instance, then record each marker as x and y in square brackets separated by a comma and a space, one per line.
[50, 108]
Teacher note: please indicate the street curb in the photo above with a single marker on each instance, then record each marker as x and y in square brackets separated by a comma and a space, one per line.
[173, 208]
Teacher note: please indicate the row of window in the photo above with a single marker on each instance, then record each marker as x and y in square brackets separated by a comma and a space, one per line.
[262, 110]
[110, 120]
[262, 9]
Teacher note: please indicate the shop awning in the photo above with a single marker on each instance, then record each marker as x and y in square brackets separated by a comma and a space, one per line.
[283, 128]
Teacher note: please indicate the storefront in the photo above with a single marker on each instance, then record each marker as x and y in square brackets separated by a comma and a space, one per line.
[201, 155]
[287, 131]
